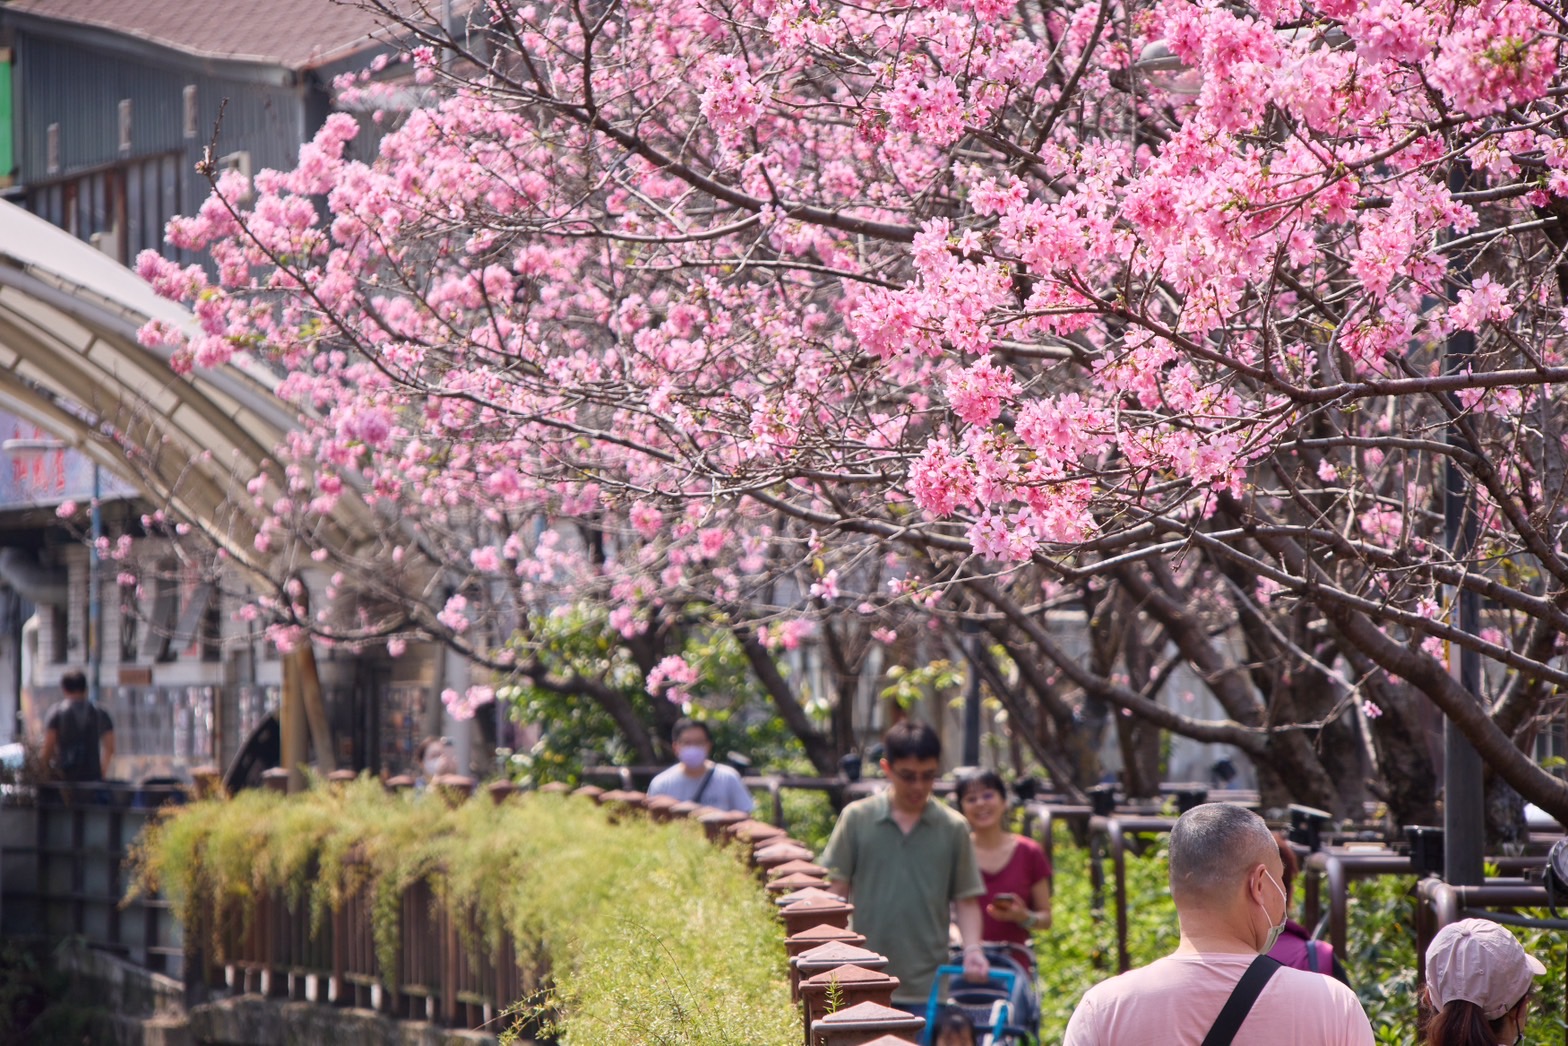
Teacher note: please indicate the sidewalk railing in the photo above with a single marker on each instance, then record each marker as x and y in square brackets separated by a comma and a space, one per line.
[63, 870]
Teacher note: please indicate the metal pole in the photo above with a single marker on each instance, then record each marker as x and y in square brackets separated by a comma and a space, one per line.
[94, 595]
[971, 632]
[1464, 805]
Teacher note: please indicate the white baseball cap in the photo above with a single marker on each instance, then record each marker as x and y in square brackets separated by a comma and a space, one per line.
[1480, 962]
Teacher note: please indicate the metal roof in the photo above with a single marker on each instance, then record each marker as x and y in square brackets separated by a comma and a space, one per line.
[293, 34]
[70, 363]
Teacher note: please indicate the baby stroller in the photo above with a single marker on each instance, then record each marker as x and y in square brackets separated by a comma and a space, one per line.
[1004, 1010]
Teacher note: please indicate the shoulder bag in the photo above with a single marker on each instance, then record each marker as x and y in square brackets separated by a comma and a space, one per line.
[1246, 992]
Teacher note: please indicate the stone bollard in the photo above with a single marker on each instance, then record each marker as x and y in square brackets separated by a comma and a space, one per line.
[714, 821]
[802, 867]
[275, 780]
[753, 835]
[795, 881]
[614, 801]
[340, 779]
[554, 788]
[815, 911]
[866, 1024]
[843, 987]
[400, 783]
[683, 810]
[660, 807]
[589, 792]
[624, 802]
[775, 854]
[805, 893]
[830, 956]
[501, 791]
[454, 788]
[806, 940]
[207, 783]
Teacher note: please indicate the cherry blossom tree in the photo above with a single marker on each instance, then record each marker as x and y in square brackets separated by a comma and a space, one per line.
[1236, 328]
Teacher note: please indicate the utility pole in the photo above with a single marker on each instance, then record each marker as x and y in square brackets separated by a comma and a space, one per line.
[1464, 803]
[971, 633]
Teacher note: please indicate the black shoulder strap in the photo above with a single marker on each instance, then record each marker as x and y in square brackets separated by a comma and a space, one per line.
[702, 786]
[1246, 992]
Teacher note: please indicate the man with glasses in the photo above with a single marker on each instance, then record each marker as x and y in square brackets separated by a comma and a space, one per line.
[903, 860]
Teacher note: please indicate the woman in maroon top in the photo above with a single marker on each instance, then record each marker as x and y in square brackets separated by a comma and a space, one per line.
[1016, 872]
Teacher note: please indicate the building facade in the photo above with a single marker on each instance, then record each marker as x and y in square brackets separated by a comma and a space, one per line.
[112, 106]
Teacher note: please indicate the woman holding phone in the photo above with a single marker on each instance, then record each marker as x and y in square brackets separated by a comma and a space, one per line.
[1016, 872]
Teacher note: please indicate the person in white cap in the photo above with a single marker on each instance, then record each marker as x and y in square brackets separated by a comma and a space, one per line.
[1478, 979]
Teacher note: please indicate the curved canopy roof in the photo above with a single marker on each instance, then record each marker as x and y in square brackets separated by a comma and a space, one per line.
[70, 363]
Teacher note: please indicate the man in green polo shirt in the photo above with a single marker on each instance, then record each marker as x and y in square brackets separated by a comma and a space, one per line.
[903, 860]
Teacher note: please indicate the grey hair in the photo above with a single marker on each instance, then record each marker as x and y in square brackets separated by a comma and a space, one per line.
[1213, 848]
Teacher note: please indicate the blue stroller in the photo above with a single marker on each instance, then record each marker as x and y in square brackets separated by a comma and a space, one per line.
[1004, 1010]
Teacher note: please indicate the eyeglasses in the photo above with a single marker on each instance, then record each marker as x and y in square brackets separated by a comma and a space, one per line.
[910, 777]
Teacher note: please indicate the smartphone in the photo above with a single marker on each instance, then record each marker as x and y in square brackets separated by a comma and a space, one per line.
[1005, 899]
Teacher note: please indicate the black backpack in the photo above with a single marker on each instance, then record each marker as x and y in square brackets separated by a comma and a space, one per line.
[79, 728]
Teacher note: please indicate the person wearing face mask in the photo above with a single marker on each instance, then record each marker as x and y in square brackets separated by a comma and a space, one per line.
[435, 757]
[1219, 986]
[697, 778]
[1296, 946]
[1478, 980]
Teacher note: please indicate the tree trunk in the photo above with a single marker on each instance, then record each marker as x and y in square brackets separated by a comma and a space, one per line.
[821, 753]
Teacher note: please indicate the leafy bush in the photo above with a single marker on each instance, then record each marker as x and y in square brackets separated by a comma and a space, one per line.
[649, 933]
[808, 814]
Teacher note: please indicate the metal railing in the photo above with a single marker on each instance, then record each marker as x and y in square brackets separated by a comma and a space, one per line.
[63, 870]
[445, 969]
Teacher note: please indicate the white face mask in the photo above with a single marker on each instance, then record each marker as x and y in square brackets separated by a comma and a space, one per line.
[436, 761]
[1275, 931]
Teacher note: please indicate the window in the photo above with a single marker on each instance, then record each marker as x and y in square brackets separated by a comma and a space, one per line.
[190, 111]
[161, 623]
[130, 621]
[59, 634]
[125, 125]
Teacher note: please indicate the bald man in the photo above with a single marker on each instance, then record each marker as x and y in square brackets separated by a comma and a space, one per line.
[1225, 879]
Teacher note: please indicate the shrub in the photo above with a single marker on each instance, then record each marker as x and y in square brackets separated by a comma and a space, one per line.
[649, 933]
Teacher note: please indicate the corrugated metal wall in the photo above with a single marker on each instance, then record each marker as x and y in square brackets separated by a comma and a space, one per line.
[81, 91]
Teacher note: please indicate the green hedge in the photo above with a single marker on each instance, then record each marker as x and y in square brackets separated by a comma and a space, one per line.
[650, 934]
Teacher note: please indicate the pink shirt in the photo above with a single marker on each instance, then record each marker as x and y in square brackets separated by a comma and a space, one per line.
[1173, 1002]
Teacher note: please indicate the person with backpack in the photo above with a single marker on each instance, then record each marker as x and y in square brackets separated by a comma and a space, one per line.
[78, 735]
